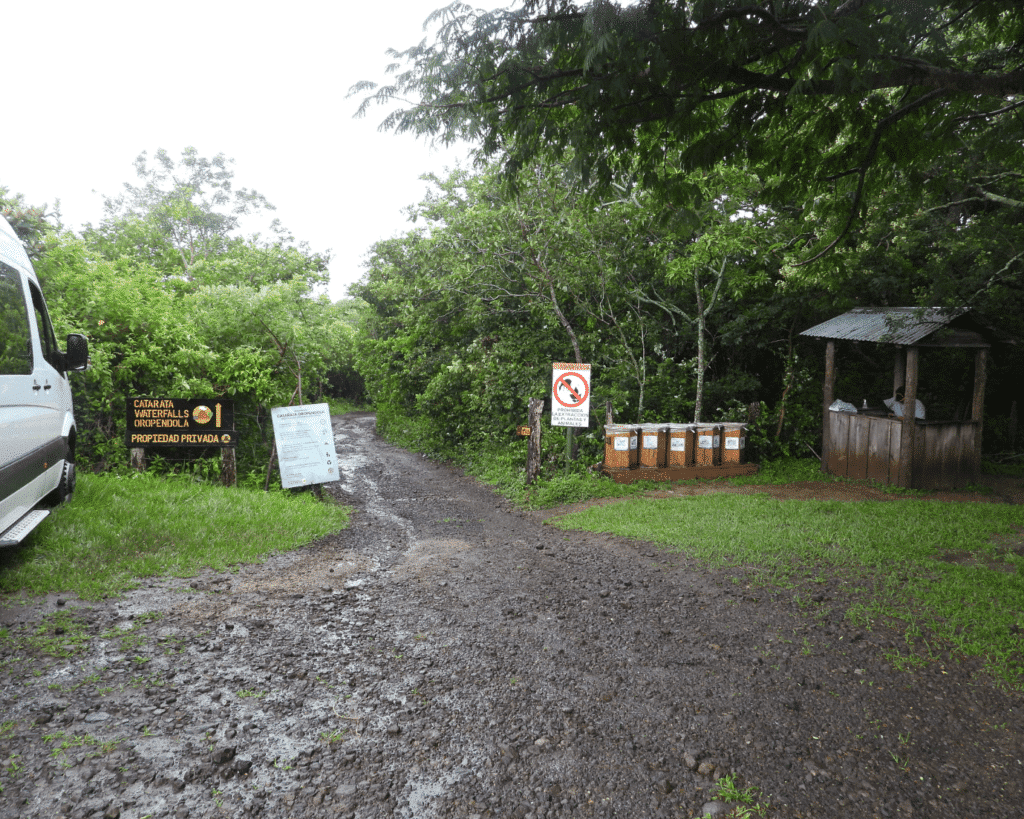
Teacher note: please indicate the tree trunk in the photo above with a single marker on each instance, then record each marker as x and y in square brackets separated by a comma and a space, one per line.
[536, 407]
[565, 324]
[701, 321]
[698, 404]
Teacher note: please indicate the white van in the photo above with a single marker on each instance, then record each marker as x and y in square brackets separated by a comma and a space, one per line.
[37, 422]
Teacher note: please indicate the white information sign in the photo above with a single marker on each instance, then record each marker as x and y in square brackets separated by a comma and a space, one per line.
[305, 445]
[570, 395]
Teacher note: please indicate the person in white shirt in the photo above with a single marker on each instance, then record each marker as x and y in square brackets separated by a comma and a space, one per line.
[895, 406]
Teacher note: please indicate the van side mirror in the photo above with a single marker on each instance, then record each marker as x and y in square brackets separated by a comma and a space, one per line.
[77, 356]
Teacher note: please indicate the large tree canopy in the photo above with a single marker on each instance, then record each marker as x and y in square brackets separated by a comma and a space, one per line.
[826, 98]
[179, 209]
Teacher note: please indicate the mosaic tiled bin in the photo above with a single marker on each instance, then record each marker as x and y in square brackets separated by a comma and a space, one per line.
[620, 446]
[653, 445]
[734, 443]
[681, 445]
[709, 445]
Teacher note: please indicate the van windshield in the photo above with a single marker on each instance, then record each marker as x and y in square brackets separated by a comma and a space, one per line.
[15, 341]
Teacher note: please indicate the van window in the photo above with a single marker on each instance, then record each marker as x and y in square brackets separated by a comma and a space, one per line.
[46, 338]
[15, 340]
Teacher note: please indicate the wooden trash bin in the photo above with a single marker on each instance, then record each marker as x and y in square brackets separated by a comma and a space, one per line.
[653, 446]
[709, 445]
[681, 445]
[620, 447]
[734, 443]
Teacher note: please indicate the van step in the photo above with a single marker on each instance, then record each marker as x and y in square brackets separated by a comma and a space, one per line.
[19, 531]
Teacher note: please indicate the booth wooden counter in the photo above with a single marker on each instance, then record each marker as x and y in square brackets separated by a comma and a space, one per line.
[869, 448]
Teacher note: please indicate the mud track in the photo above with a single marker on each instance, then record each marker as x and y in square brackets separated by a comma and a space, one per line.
[447, 656]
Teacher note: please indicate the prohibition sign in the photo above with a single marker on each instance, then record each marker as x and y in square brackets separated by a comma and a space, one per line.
[576, 395]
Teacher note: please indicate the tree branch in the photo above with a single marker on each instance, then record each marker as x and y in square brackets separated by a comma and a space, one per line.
[869, 159]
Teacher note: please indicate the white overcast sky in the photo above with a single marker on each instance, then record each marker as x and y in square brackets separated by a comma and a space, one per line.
[91, 85]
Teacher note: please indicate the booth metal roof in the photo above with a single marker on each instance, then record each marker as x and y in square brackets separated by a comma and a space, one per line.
[889, 325]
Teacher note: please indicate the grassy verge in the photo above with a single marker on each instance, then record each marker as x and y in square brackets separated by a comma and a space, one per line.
[502, 464]
[122, 528]
[926, 568]
[507, 474]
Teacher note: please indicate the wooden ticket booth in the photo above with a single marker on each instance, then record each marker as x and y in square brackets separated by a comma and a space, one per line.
[900, 449]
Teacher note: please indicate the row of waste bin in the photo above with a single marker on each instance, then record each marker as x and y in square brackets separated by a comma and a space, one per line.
[673, 446]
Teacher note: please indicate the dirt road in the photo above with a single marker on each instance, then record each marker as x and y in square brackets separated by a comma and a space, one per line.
[447, 656]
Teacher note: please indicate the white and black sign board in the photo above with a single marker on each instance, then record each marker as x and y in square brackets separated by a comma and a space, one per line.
[305, 445]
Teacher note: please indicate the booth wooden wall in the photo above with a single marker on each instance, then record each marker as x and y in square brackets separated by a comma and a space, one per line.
[869, 447]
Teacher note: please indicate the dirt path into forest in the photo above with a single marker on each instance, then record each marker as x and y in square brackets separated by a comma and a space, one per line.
[448, 656]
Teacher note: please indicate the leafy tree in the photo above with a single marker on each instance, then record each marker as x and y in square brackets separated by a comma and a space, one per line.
[189, 209]
[465, 314]
[148, 337]
[724, 239]
[31, 224]
[825, 99]
[257, 263]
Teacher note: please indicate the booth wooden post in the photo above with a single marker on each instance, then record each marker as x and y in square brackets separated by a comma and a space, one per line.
[899, 369]
[829, 396]
[978, 406]
[909, 427]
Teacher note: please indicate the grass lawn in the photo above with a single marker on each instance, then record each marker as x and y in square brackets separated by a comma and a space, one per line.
[118, 529]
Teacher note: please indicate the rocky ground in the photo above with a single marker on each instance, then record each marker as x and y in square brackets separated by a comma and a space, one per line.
[448, 656]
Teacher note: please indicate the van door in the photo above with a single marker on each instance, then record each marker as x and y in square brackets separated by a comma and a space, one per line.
[49, 378]
[23, 429]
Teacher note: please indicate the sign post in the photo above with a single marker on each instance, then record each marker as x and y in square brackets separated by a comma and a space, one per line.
[305, 445]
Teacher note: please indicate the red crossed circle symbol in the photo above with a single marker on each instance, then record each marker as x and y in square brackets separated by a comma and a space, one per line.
[576, 399]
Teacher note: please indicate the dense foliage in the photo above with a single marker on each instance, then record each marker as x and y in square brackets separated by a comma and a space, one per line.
[177, 305]
[670, 191]
[680, 187]
[826, 99]
[468, 312]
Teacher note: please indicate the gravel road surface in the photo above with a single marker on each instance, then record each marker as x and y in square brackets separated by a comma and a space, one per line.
[449, 656]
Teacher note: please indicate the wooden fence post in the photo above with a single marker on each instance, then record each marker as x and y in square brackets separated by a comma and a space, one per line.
[536, 407]
[138, 459]
[228, 470]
